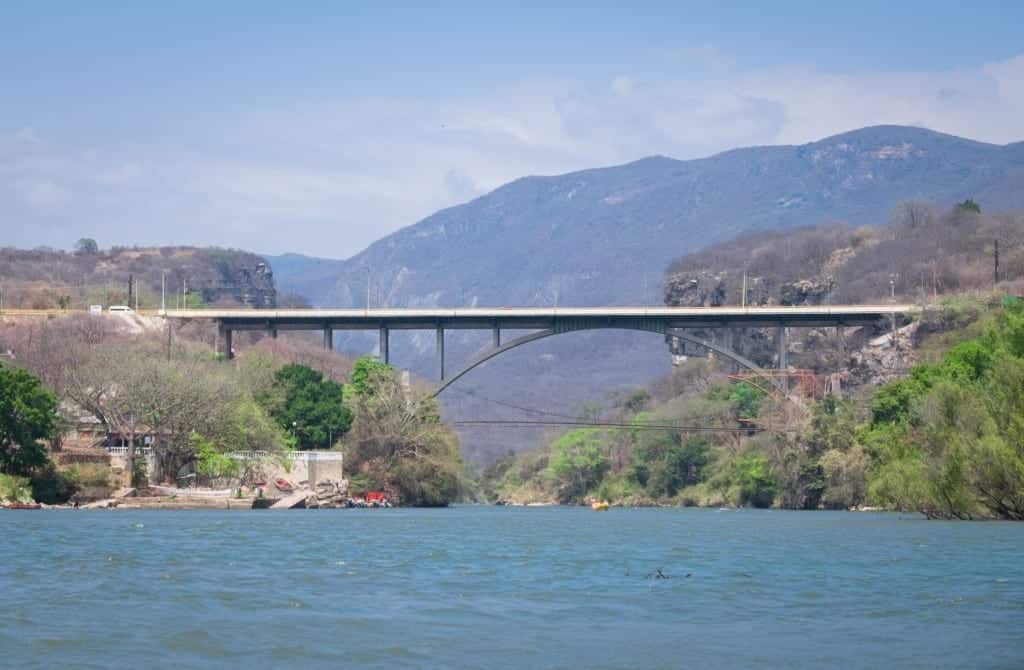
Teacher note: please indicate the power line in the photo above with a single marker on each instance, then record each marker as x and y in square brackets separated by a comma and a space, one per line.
[528, 410]
[615, 424]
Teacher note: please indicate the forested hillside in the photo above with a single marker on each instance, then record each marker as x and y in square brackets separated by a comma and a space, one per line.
[945, 441]
[921, 419]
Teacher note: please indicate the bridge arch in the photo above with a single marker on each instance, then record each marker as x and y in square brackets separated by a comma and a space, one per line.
[647, 327]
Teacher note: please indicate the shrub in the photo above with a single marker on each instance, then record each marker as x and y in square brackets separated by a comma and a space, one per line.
[15, 489]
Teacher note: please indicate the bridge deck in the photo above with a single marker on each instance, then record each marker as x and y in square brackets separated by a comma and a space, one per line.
[528, 318]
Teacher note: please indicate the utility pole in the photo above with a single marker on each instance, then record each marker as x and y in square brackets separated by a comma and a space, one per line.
[136, 295]
[163, 293]
[367, 289]
[892, 299]
[995, 267]
[743, 295]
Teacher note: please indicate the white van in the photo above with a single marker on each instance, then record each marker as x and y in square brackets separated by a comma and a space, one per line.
[95, 310]
[119, 308]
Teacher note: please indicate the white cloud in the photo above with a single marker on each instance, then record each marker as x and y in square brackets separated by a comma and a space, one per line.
[42, 195]
[328, 177]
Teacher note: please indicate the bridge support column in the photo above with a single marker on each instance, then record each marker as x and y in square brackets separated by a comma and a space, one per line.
[226, 338]
[273, 333]
[328, 338]
[496, 336]
[780, 338]
[841, 345]
[385, 354]
[440, 353]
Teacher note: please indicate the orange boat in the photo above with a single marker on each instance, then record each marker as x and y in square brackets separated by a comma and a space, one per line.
[17, 505]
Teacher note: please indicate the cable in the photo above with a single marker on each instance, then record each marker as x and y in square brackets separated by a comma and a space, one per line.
[612, 424]
[528, 410]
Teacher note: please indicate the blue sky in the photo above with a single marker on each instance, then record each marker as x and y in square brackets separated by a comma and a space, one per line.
[320, 126]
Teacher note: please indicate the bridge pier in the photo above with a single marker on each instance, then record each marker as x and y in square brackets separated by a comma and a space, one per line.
[496, 336]
[328, 338]
[385, 353]
[226, 337]
[780, 338]
[440, 353]
[841, 343]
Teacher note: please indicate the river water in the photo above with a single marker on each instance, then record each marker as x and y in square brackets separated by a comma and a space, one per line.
[486, 587]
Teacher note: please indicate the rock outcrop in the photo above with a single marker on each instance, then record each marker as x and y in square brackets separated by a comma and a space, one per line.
[328, 494]
[805, 292]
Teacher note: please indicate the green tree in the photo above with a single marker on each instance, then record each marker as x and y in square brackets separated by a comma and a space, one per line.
[308, 406]
[949, 440]
[968, 205]
[28, 414]
[365, 373]
[748, 480]
[746, 400]
[665, 463]
[86, 246]
[250, 429]
[210, 462]
[398, 443]
[578, 461]
[833, 426]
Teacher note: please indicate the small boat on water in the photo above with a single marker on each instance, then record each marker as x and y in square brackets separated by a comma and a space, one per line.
[17, 505]
[599, 505]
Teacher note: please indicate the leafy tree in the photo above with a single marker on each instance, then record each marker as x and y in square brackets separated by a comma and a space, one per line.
[636, 401]
[308, 406]
[28, 414]
[578, 461]
[833, 426]
[365, 371]
[250, 429]
[845, 477]
[86, 246]
[949, 441]
[748, 480]
[968, 206]
[398, 443]
[209, 461]
[746, 400]
[666, 463]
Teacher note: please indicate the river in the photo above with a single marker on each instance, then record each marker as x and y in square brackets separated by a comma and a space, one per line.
[492, 587]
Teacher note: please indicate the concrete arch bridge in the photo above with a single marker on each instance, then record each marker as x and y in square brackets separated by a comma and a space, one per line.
[544, 322]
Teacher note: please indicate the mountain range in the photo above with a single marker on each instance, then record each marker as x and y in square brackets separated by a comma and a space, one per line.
[605, 236]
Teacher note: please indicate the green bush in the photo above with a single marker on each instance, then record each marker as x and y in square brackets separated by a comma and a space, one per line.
[53, 486]
[748, 481]
[15, 489]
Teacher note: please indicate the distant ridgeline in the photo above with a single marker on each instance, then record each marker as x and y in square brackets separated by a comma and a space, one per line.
[50, 279]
